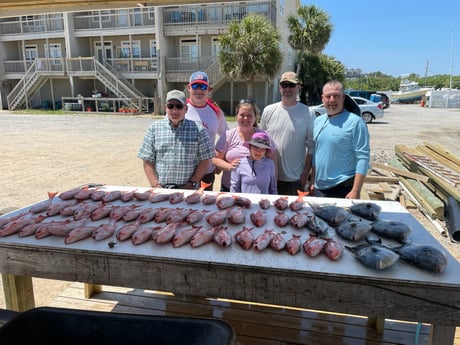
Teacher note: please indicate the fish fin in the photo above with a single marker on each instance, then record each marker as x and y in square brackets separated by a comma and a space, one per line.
[51, 195]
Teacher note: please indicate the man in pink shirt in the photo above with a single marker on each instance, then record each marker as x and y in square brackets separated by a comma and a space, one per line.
[203, 110]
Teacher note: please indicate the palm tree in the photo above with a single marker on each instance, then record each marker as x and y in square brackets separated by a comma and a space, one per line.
[250, 48]
[315, 72]
[310, 31]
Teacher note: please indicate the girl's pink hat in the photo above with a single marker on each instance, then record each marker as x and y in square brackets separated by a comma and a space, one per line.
[259, 139]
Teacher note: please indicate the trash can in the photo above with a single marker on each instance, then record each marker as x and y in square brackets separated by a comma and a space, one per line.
[47, 325]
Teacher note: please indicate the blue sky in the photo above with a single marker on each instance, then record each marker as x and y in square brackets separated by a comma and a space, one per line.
[395, 36]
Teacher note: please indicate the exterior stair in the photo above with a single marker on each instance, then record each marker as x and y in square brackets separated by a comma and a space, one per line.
[41, 70]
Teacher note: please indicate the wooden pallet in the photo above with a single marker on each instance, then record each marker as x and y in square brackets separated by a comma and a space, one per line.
[254, 324]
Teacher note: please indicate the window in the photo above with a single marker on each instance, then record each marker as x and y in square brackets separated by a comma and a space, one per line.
[215, 46]
[153, 48]
[188, 49]
[282, 7]
[53, 50]
[123, 18]
[130, 49]
[27, 18]
[137, 17]
[31, 52]
[104, 14]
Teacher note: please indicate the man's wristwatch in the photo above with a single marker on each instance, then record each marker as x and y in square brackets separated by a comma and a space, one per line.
[193, 183]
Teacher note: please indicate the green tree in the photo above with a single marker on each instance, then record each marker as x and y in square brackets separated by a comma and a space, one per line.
[315, 72]
[250, 48]
[310, 30]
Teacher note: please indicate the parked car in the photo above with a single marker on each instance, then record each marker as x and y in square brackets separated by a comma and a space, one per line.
[385, 99]
[380, 97]
[370, 111]
[371, 95]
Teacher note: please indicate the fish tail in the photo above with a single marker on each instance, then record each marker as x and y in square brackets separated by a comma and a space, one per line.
[51, 195]
[301, 194]
[204, 185]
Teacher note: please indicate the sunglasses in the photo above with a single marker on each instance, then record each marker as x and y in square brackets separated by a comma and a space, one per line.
[178, 106]
[247, 101]
[199, 86]
[288, 85]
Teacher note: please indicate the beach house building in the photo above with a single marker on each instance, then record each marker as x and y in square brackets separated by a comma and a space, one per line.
[128, 58]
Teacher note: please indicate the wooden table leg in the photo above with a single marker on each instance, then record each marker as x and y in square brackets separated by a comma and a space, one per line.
[19, 292]
[376, 322]
[442, 335]
[90, 289]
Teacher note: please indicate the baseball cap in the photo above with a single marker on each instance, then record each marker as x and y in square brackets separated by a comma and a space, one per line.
[199, 78]
[177, 95]
[289, 77]
[259, 139]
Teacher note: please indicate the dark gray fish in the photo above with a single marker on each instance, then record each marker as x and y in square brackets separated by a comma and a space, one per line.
[392, 229]
[353, 230]
[332, 214]
[423, 256]
[318, 225]
[374, 255]
[367, 210]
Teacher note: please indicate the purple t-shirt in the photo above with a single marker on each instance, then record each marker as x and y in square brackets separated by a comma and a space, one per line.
[254, 176]
[231, 144]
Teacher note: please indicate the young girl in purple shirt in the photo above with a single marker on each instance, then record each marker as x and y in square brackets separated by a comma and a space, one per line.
[256, 172]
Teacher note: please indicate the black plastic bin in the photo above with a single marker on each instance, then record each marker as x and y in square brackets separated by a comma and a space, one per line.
[48, 325]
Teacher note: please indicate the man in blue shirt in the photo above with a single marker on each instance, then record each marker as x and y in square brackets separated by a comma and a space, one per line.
[176, 152]
[342, 147]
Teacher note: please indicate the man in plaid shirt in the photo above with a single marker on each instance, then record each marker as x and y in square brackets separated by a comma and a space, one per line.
[176, 152]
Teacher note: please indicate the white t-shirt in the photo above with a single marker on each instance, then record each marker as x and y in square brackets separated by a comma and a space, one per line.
[291, 128]
[215, 124]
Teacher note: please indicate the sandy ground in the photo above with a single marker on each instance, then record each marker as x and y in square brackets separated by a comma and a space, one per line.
[41, 153]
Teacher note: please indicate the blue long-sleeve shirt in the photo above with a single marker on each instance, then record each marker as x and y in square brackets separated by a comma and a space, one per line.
[342, 148]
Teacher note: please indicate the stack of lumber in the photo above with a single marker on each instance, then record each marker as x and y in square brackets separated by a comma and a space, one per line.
[428, 176]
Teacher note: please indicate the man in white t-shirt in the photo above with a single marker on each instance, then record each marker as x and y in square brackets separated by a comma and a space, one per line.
[203, 110]
[290, 125]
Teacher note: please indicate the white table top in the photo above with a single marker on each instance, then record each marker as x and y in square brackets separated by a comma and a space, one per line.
[347, 265]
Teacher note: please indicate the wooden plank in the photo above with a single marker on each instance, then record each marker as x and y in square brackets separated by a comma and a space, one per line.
[441, 188]
[378, 179]
[401, 172]
[424, 196]
[254, 324]
[447, 157]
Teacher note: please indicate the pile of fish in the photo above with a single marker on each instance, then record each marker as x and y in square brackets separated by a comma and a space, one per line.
[121, 215]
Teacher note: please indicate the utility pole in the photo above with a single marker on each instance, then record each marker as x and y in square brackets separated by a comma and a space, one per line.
[426, 71]
[452, 59]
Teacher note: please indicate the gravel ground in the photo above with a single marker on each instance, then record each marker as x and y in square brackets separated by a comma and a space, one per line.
[41, 153]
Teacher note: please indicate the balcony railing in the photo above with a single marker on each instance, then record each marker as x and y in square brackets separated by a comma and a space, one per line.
[134, 65]
[40, 24]
[182, 65]
[217, 14]
[115, 19]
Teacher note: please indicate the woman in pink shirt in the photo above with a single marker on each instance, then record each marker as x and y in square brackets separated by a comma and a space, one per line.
[230, 149]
